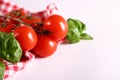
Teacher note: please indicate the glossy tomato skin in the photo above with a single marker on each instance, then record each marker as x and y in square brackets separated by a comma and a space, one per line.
[10, 28]
[45, 46]
[31, 19]
[26, 36]
[2, 29]
[57, 26]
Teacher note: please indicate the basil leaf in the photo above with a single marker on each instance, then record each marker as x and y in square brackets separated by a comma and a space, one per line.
[85, 36]
[80, 25]
[75, 31]
[2, 69]
[73, 34]
[10, 49]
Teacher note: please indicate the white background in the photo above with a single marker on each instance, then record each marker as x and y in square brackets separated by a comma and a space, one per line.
[98, 59]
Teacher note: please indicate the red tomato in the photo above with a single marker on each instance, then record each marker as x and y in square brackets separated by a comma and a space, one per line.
[2, 18]
[10, 28]
[31, 19]
[16, 13]
[2, 29]
[26, 36]
[45, 46]
[57, 26]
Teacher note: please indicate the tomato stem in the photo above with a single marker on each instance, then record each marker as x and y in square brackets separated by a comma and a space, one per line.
[46, 32]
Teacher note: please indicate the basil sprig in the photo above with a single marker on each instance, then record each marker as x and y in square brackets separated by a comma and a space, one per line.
[10, 49]
[76, 30]
[2, 69]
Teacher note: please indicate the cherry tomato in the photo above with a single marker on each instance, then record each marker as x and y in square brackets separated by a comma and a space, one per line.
[16, 13]
[26, 36]
[10, 28]
[57, 27]
[2, 18]
[31, 19]
[2, 29]
[45, 46]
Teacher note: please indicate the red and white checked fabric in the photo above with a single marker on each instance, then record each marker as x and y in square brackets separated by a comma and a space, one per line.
[5, 7]
[50, 9]
[13, 68]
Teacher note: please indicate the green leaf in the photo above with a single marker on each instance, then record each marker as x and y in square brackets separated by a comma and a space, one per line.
[85, 36]
[10, 49]
[2, 69]
[75, 31]
[80, 25]
[73, 34]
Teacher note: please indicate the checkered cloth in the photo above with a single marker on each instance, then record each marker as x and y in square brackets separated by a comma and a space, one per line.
[13, 68]
[5, 7]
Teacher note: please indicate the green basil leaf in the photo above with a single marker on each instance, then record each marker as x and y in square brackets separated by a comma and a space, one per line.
[73, 34]
[80, 25]
[85, 36]
[10, 49]
[2, 69]
[75, 31]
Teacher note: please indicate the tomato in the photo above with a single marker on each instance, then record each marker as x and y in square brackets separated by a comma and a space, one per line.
[2, 18]
[45, 46]
[10, 28]
[8, 23]
[57, 27]
[31, 19]
[26, 36]
[16, 13]
[2, 29]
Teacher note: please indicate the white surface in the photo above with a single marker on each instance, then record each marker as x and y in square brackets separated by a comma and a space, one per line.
[98, 59]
